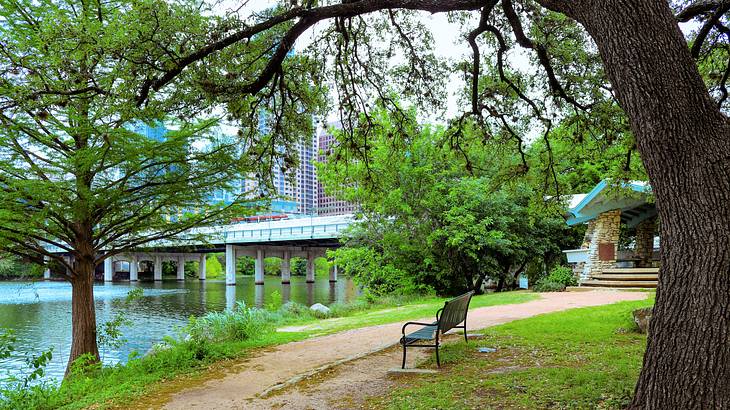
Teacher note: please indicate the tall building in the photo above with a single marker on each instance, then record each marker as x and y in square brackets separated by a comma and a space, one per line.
[328, 205]
[303, 190]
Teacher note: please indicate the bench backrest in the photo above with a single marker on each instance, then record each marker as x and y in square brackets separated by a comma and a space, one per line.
[454, 312]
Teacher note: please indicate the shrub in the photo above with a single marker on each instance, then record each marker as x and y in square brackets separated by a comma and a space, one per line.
[544, 285]
[563, 275]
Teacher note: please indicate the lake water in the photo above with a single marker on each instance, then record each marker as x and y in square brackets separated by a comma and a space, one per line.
[40, 312]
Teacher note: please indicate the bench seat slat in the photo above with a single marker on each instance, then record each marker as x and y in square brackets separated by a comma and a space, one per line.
[424, 333]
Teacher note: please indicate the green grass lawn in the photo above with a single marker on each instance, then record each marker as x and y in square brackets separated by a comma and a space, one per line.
[120, 386]
[581, 358]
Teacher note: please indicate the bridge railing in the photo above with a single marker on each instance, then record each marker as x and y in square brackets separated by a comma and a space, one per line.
[318, 231]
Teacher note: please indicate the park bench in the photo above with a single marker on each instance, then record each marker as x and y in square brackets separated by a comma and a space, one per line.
[448, 317]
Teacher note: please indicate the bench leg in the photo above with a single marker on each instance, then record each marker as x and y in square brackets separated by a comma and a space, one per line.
[466, 339]
[438, 362]
[403, 366]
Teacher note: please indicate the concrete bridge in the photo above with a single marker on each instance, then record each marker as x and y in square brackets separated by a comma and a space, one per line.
[305, 237]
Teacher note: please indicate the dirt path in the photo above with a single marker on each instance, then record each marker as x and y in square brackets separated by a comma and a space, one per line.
[282, 365]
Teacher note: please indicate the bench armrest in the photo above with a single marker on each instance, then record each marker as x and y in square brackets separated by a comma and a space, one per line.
[403, 330]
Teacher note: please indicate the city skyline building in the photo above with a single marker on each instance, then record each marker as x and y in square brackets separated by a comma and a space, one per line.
[297, 194]
[329, 205]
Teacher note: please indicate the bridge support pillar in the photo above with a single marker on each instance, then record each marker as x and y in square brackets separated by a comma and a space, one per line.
[158, 268]
[286, 268]
[333, 273]
[108, 269]
[133, 269]
[201, 267]
[230, 265]
[181, 268]
[47, 272]
[259, 267]
[310, 267]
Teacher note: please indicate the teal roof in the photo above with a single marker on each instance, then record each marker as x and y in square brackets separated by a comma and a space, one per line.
[635, 204]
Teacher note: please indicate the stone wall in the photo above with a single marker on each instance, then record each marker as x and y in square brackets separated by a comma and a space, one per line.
[645, 242]
[605, 235]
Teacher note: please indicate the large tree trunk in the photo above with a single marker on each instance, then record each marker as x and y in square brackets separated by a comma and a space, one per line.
[83, 314]
[684, 141]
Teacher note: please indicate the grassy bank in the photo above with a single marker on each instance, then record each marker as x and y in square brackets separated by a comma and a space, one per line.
[581, 358]
[217, 337]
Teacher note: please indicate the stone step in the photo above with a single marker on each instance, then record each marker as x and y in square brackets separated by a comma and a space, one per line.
[626, 276]
[619, 283]
[631, 270]
[606, 288]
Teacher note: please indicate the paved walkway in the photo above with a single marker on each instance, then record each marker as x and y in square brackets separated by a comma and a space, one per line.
[259, 374]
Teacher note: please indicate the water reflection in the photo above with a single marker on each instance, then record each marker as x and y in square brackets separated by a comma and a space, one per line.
[40, 313]
[285, 292]
[310, 294]
[259, 298]
[230, 297]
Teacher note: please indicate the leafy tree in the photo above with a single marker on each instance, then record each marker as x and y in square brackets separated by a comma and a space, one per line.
[213, 267]
[429, 223]
[79, 177]
[588, 56]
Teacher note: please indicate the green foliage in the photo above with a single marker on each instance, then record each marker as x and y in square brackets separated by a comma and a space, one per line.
[435, 220]
[298, 266]
[274, 301]
[370, 269]
[11, 267]
[25, 388]
[563, 275]
[545, 285]
[237, 324]
[556, 281]
[245, 265]
[213, 267]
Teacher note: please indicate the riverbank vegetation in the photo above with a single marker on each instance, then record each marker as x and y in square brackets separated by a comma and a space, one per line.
[215, 337]
[12, 268]
[577, 359]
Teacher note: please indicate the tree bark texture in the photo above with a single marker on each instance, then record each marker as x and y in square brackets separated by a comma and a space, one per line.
[83, 313]
[684, 141]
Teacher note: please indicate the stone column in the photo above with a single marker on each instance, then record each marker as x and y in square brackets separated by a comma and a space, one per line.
[286, 268]
[604, 243]
[201, 267]
[158, 268]
[645, 242]
[181, 267]
[230, 265]
[310, 267]
[133, 268]
[259, 267]
[47, 272]
[108, 269]
[333, 273]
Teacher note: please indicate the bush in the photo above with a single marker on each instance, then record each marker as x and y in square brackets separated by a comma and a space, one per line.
[544, 285]
[562, 275]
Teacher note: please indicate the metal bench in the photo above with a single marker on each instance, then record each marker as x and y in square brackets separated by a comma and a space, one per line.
[448, 317]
